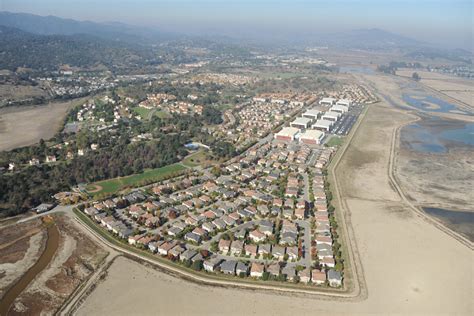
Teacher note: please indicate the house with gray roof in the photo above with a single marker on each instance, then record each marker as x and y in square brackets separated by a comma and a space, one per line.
[187, 255]
[334, 278]
[228, 267]
[242, 268]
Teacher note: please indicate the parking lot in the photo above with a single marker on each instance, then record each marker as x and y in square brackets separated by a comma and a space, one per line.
[344, 125]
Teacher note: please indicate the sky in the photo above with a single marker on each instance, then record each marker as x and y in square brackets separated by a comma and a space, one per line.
[445, 22]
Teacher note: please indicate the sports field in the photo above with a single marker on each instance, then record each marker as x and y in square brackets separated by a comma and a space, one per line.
[150, 175]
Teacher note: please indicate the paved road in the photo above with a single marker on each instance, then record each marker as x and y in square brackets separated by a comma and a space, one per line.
[59, 208]
[306, 260]
[306, 186]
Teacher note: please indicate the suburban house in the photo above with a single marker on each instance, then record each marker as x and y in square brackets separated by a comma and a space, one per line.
[257, 269]
[224, 245]
[334, 278]
[318, 276]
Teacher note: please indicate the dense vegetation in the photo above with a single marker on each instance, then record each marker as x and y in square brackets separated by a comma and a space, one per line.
[116, 157]
[48, 52]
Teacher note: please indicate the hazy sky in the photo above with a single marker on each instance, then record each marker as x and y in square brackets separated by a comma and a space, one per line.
[437, 21]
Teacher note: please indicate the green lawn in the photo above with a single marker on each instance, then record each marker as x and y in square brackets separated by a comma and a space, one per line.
[150, 175]
[142, 112]
[335, 141]
[281, 75]
[198, 158]
[162, 114]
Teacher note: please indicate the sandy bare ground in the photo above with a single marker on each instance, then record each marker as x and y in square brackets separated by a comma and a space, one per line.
[444, 181]
[18, 92]
[20, 247]
[75, 260]
[405, 259]
[22, 126]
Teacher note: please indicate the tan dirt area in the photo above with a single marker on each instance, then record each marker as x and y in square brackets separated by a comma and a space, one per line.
[20, 247]
[410, 266]
[76, 258]
[18, 92]
[444, 181]
[22, 126]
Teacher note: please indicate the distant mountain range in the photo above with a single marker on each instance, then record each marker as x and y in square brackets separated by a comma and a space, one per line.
[371, 39]
[47, 52]
[48, 41]
[52, 25]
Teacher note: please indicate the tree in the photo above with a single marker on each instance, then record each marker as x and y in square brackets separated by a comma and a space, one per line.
[415, 76]
[197, 265]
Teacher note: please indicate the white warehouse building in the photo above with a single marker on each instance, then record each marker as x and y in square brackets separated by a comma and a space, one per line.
[344, 102]
[339, 108]
[323, 125]
[312, 114]
[327, 101]
[287, 134]
[312, 137]
[331, 116]
[301, 123]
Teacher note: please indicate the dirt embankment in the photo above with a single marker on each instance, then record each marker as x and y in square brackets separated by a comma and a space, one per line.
[76, 258]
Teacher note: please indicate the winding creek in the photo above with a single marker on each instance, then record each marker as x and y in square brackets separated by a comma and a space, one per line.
[52, 244]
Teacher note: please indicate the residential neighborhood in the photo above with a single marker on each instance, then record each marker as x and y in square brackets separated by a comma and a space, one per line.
[265, 214]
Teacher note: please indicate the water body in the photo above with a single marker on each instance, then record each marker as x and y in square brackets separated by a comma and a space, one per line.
[356, 70]
[428, 103]
[435, 135]
[459, 221]
[45, 258]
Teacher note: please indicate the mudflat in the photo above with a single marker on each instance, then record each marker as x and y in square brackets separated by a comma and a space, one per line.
[410, 266]
[26, 125]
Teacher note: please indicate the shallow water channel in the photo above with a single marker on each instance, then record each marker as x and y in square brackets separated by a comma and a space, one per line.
[52, 244]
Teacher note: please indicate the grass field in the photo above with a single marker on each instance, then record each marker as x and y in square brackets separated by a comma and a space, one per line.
[115, 185]
[281, 75]
[142, 112]
[196, 159]
[335, 141]
[147, 114]
[162, 114]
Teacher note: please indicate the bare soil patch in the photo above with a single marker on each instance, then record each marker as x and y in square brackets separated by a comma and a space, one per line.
[22, 246]
[22, 126]
[76, 258]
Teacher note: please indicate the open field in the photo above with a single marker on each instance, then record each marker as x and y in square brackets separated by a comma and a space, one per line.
[400, 254]
[147, 114]
[22, 126]
[450, 188]
[19, 92]
[199, 158]
[335, 141]
[457, 88]
[114, 185]
[75, 259]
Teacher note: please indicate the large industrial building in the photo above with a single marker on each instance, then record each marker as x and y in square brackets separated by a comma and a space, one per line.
[323, 125]
[312, 114]
[344, 102]
[327, 101]
[312, 137]
[287, 134]
[331, 116]
[301, 123]
[339, 108]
